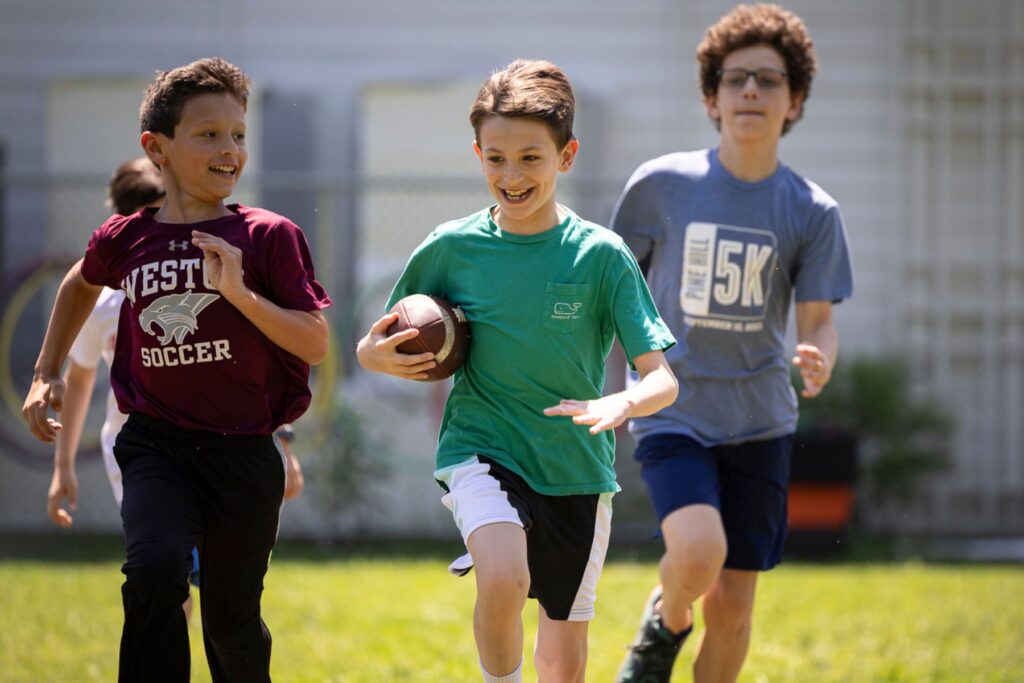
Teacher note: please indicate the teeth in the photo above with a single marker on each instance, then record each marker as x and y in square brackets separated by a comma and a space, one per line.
[224, 169]
[515, 194]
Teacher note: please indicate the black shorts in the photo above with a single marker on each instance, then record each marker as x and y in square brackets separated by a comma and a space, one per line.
[566, 536]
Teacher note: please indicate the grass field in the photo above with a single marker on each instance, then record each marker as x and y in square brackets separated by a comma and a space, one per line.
[394, 614]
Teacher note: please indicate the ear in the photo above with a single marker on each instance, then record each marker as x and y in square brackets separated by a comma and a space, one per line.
[568, 155]
[479, 152]
[796, 106]
[711, 107]
[152, 145]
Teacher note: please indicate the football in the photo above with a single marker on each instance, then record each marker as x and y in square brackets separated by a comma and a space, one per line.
[444, 331]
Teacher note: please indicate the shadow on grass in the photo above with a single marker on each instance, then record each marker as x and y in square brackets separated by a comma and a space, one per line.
[72, 547]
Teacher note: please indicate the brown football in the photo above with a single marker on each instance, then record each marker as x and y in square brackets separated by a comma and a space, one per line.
[444, 331]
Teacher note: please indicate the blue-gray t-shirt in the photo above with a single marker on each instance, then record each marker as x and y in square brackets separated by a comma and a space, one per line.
[724, 258]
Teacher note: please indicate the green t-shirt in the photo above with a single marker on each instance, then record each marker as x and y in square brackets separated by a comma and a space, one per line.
[543, 311]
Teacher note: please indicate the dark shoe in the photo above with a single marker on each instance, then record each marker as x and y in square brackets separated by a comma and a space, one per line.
[654, 651]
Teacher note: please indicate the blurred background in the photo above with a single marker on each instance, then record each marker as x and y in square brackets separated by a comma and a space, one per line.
[358, 131]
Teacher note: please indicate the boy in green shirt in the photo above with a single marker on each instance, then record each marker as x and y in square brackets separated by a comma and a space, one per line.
[545, 293]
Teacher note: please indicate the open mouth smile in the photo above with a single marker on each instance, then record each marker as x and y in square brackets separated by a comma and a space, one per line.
[225, 170]
[516, 196]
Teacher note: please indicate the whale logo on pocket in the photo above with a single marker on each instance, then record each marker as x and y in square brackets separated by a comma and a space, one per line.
[564, 311]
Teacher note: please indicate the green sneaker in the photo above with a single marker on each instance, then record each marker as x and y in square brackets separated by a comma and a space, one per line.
[654, 651]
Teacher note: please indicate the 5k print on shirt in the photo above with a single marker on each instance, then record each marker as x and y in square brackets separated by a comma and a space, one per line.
[727, 276]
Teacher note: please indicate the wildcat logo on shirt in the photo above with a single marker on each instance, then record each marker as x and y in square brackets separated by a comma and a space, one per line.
[726, 279]
[175, 314]
[173, 317]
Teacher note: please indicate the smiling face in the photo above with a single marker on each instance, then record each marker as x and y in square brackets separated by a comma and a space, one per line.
[753, 113]
[521, 163]
[202, 162]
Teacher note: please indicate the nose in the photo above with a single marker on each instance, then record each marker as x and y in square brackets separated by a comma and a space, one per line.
[512, 173]
[750, 84]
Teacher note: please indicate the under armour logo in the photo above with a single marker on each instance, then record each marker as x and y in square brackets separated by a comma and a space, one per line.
[175, 246]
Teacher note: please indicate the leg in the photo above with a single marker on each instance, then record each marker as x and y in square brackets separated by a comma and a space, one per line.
[560, 653]
[245, 489]
[694, 554]
[728, 608]
[502, 583]
[682, 479]
[567, 554]
[162, 521]
[754, 476]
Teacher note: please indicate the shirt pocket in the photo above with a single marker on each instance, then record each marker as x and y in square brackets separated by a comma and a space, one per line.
[566, 307]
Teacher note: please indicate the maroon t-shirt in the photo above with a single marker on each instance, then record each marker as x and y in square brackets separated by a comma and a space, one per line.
[184, 353]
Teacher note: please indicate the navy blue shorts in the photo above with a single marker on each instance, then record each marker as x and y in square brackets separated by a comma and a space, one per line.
[748, 484]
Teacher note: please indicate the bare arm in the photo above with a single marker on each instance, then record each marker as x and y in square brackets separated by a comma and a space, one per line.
[818, 345]
[75, 300]
[302, 333]
[78, 382]
[656, 389]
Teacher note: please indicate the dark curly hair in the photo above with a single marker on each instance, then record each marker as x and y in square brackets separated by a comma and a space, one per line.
[528, 89]
[749, 25]
[166, 96]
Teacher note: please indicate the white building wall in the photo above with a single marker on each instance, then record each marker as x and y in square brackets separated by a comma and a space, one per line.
[884, 133]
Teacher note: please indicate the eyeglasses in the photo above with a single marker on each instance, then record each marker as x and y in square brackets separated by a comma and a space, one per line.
[766, 78]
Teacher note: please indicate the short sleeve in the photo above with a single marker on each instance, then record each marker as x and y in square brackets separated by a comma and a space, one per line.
[636, 216]
[421, 274]
[95, 263]
[824, 271]
[638, 325]
[291, 281]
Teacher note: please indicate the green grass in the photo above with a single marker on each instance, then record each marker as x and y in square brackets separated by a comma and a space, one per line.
[393, 614]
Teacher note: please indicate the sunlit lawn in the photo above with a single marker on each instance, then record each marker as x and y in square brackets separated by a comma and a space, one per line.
[348, 615]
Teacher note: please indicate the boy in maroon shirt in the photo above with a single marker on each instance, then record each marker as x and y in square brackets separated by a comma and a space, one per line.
[219, 327]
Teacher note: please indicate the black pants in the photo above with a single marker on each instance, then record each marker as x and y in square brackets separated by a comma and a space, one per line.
[185, 489]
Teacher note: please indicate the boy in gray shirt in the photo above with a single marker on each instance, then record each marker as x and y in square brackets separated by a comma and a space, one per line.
[728, 237]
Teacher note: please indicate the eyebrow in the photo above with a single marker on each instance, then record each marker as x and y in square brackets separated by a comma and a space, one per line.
[531, 148]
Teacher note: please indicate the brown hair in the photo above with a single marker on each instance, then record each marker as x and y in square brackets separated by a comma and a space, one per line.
[135, 184]
[170, 90]
[749, 25]
[528, 88]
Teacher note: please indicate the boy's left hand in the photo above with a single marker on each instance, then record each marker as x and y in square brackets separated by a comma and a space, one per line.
[601, 414]
[222, 263]
[815, 369]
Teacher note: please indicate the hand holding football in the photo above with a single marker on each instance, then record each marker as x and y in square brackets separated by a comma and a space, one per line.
[444, 331]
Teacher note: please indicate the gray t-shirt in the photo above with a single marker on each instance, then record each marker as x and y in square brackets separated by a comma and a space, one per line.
[723, 259]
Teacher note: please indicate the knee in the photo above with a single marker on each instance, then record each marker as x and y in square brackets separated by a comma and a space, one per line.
[152, 588]
[158, 557]
[565, 665]
[694, 564]
[506, 583]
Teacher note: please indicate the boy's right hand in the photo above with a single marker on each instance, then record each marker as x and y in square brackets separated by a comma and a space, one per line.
[45, 392]
[379, 352]
[63, 485]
